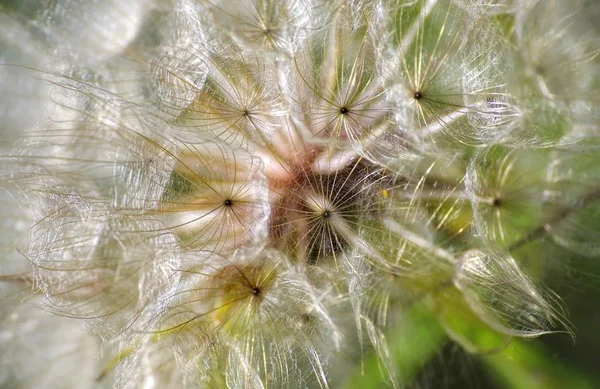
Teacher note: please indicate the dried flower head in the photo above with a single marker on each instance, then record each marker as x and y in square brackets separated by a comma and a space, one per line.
[252, 194]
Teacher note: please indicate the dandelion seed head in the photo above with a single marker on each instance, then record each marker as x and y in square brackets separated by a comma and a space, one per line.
[242, 194]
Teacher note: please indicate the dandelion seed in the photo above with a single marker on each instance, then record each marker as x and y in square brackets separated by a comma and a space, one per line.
[502, 296]
[512, 189]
